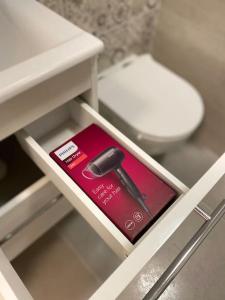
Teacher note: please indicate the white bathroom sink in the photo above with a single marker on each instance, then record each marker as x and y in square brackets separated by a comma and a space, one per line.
[37, 44]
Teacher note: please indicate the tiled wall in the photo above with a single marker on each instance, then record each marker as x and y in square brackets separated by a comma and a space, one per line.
[125, 26]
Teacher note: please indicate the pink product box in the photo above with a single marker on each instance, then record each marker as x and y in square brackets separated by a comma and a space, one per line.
[125, 190]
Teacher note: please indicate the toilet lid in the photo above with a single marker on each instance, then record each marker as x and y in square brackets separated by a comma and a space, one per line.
[151, 99]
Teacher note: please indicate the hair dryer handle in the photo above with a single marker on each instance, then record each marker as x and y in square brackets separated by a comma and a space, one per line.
[128, 182]
[131, 187]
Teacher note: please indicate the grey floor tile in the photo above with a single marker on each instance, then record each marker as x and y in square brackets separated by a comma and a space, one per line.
[158, 264]
[189, 162]
[150, 273]
[204, 275]
[201, 278]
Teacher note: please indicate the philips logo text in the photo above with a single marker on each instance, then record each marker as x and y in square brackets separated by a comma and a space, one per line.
[67, 150]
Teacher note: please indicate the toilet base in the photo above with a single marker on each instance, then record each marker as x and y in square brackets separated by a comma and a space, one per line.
[157, 148]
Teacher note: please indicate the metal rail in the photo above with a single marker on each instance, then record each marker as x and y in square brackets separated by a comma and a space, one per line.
[202, 213]
[183, 257]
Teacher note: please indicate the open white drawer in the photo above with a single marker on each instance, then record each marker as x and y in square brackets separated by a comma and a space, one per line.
[44, 135]
[11, 286]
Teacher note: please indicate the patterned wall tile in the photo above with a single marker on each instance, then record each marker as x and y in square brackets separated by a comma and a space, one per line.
[55, 5]
[125, 26]
[97, 16]
[139, 6]
[135, 36]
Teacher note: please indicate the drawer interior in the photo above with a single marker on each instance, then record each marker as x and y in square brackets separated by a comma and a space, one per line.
[56, 127]
[20, 171]
[64, 122]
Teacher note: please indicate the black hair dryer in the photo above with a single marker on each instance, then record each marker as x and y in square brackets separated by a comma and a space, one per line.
[111, 160]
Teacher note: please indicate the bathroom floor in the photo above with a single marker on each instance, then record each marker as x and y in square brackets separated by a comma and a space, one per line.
[61, 265]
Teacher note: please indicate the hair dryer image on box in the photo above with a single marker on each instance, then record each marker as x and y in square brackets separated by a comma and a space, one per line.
[111, 160]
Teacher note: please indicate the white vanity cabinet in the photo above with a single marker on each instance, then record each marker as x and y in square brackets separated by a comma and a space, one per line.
[48, 92]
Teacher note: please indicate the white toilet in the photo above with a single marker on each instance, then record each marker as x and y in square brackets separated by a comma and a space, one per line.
[152, 105]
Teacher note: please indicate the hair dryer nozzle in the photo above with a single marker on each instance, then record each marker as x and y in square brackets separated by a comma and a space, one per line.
[111, 160]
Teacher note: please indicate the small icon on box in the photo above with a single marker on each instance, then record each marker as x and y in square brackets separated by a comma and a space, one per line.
[138, 216]
[129, 224]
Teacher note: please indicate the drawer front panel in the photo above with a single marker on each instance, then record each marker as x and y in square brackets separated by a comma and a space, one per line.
[36, 102]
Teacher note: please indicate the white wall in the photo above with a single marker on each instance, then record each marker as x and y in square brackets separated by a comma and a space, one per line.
[190, 39]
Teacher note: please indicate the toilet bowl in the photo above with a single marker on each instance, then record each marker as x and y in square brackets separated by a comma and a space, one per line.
[152, 105]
